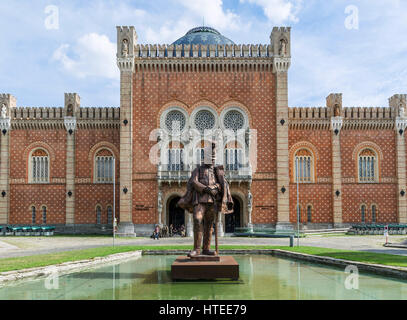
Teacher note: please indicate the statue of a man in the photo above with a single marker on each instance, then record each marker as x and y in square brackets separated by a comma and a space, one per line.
[125, 48]
[401, 111]
[283, 48]
[207, 194]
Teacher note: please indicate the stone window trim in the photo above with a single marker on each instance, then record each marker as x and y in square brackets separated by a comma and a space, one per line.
[197, 111]
[379, 158]
[368, 156]
[107, 160]
[167, 111]
[39, 166]
[92, 159]
[237, 105]
[173, 104]
[226, 111]
[307, 155]
[315, 157]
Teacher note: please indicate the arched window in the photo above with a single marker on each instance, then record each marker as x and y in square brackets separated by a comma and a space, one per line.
[175, 156]
[33, 215]
[104, 166]
[233, 156]
[367, 166]
[175, 121]
[363, 212]
[39, 166]
[234, 120]
[200, 152]
[98, 214]
[109, 215]
[309, 213]
[303, 166]
[204, 120]
[44, 214]
[374, 213]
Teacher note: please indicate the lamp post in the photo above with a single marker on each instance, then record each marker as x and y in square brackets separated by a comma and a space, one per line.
[298, 204]
[114, 199]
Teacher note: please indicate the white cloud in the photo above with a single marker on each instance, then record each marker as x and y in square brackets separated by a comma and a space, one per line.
[213, 13]
[92, 55]
[278, 11]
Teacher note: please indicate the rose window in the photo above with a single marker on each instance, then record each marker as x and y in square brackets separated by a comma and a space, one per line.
[233, 120]
[204, 120]
[175, 121]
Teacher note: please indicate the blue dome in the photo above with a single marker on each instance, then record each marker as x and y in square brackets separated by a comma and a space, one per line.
[203, 35]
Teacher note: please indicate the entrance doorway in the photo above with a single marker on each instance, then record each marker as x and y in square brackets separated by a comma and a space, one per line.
[176, 215]
[233, 220]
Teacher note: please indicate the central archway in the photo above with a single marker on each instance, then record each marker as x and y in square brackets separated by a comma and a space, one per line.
[176, 215]
[233, 220]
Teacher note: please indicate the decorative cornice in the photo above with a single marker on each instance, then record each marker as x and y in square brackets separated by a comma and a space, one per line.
[281, 64]
[126, 64]
[325, 124]
[24, 124]
[367, 124]
[203, 65]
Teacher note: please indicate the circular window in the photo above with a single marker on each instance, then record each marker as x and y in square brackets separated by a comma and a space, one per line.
[233, 120]
[204, 120]
[175, 121]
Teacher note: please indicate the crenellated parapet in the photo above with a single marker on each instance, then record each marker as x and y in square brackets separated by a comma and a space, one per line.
[308, 118]
[219, 51]
[26, 118]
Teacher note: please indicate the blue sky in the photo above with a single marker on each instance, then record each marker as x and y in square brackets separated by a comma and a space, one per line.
[367, 62]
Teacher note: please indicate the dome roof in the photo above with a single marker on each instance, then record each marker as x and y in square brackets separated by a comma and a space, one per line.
[203, 35]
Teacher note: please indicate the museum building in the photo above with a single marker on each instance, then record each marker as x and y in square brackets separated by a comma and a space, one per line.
[77, 167]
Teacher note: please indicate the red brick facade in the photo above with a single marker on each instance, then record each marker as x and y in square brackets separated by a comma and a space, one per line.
[247, 84]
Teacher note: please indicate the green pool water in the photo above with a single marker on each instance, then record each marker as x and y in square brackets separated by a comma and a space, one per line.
[261, 277]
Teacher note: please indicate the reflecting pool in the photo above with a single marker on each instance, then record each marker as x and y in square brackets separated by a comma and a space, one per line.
[261, 277]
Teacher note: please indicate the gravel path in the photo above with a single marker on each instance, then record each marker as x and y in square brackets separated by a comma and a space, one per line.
[25, 246]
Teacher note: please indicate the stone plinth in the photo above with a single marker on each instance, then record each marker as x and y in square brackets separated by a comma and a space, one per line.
[183, 268]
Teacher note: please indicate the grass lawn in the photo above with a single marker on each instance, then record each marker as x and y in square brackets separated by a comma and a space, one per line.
[8, 264]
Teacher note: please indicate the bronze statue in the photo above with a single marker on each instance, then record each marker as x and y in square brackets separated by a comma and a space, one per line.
[207, 194]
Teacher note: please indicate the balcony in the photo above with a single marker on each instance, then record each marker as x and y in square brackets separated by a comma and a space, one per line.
[173, 173]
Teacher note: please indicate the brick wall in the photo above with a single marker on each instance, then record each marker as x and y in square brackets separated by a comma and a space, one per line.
[153, 91]
[23, 195]
[318, 194]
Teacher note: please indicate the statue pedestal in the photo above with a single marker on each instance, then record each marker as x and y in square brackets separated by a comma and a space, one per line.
[205, 258]
[183, 268]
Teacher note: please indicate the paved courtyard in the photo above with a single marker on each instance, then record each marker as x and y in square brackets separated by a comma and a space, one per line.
[24, 246]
